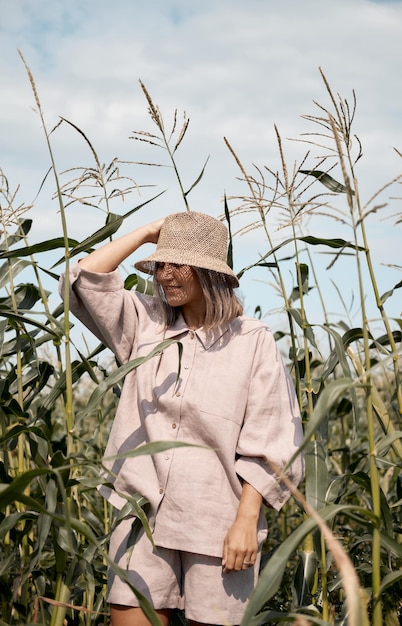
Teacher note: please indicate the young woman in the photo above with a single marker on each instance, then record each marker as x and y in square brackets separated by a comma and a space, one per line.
[229, 396]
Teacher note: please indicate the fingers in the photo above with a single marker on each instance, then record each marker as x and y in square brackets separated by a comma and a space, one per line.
[224, 554]
[248, 561]
[240, 547]
[154, 229]
[238, 561]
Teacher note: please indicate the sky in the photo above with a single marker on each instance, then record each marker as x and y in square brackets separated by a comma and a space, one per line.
[238, 70]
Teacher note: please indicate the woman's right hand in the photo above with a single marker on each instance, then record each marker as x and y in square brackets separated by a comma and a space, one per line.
[154, 229]
[109, 256]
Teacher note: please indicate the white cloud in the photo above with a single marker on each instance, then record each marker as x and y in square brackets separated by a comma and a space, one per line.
[236, 68]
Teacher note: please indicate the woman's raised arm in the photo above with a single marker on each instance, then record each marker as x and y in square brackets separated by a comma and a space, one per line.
[109, 256]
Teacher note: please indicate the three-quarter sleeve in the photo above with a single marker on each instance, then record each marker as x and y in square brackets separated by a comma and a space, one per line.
[272, 427]
[104, 306]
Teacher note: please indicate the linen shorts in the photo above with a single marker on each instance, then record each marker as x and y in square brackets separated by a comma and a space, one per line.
[171, 579]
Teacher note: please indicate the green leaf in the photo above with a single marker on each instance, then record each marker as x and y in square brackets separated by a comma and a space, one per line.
[325, 402]
[44, 246]
[338, 356]
[271, 576]
[385, 442]
[327, 180]
[315, 241]
[112, 226]
[121, 372]
[391, 545]
[389, 580]
[151, 448]
[130, 282]
[316, 473]
[24, 226]
[25, 297]
[305, 577]
[5, 312]
[304, 325]
[138, 504]
[266, 617]
[363, 480]
[389, 293]
[262, 262]
[197, 180]
[142, 285]
[12, 520]
[230, 246]
[331, 243]
[11, 268]
[45, 522]
[3, 326]
[14, 491]
[78, 369]
[384, 340]
[302, 275]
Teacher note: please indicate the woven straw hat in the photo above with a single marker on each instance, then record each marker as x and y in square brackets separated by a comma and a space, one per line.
[190, 238]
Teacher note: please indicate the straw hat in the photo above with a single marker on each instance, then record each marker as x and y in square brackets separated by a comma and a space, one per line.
[190, 238]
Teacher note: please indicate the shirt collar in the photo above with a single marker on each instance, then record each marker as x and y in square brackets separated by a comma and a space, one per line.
[207, 337]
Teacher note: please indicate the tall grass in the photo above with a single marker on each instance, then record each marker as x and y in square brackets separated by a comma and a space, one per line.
[334, 553]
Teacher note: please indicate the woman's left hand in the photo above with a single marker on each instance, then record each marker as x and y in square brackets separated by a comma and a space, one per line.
[240, 545]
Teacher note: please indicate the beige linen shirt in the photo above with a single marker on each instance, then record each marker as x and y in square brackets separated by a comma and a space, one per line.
[233, 399]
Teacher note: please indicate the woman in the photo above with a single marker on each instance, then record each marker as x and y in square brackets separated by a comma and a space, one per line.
[229, 396]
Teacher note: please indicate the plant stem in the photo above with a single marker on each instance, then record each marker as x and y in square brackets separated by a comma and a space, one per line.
[374, 479]
[69, 413]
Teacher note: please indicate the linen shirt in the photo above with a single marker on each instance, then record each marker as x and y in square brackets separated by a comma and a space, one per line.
[233, 400]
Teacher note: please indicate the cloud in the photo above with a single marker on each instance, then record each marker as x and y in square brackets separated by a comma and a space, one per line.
[236, 70]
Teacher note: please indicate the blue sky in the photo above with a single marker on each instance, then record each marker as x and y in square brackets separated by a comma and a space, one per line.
[237, 69]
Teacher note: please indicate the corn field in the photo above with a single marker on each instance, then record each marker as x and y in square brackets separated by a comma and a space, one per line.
[334, 553]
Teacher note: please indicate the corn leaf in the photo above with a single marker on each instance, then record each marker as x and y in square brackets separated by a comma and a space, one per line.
[326, 180]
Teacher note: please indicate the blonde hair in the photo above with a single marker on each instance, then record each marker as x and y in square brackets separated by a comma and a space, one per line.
[222, 303]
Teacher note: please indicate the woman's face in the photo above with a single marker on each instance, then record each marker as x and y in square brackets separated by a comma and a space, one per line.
[180, 284]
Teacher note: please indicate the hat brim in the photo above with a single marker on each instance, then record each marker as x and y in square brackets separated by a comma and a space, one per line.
[180, 257]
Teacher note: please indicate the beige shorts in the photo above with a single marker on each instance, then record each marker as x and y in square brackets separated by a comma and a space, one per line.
[171, 579]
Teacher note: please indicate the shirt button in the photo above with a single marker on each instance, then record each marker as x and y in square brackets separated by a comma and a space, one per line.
[186, 367]
[161, 490]
[191, 335]
[174, 425]
[167, 457]
[178, 393]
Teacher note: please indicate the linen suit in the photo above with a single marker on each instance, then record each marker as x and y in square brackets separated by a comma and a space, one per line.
[229, 395]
